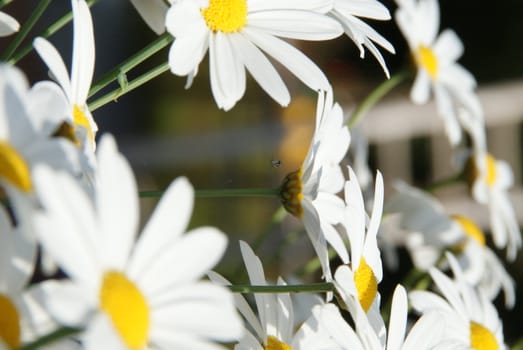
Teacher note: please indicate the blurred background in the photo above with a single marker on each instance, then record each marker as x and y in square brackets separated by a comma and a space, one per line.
[167, 131]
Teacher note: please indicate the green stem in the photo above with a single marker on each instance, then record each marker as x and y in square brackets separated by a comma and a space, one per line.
[376, 95]
[53, 28]
[518, 345]
[158, 44]
[232, 192]
[26, 28]
[298, 288]
[142, 79]
[5, 2]
[50, 338]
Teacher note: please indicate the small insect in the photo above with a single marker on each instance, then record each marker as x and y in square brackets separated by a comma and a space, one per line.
[275, 163]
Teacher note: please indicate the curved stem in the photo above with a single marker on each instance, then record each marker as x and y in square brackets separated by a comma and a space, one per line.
[50, 338]
[130, 86]
[53, 28]
[298, 288]
[376, 95]
[219, 193]
[158, 44]
[4, 2]
[26, 28]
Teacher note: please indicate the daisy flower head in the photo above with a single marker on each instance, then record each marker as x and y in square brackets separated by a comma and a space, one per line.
[25, 137]
[237, 33]
[153, 13]
[275, 326]
[490, 180]
[424, 334]
[348, 13]
[359, 280]
[310, 193]
[79, 125]
[470, 318]
[129, 294]
[428, 231]
[435, 57]
[8, 25]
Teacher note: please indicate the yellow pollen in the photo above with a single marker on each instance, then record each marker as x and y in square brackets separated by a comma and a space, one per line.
[9, 323]
[290, 193]
[227, 16]
[470, 228]
[126, 307]
[274, 344]
[366, 284]
[81, 120]
[481, 338]
[13, 167]
[492, 173]
[425, 58]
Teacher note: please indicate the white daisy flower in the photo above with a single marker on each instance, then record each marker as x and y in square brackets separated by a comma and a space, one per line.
[424, 334]
[131, 295]
[76, 87]
[25, 137]
[236, 32]
[428, 231]
[348, 12]
[491, 180]
[309, 193]
[360, 279]
[275, 326]
[470, 319]
[437, 70]
[153, 13]
[8, 25]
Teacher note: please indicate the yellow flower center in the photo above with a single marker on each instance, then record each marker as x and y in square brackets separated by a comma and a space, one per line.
[9, 323]
[290, 193]
[470, 228]
[13, 167]
[366, 284]
[66, 131]
[225, 16]
[425, 58]
[481, 338]
[127, 308]
[274, 344]
[80, 119]
[492, 173]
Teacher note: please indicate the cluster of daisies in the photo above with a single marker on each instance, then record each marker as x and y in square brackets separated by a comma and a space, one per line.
[70, 204]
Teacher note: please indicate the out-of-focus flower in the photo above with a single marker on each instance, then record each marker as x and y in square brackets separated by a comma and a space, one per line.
[426, 333]
[309, 193]
[236, 33]
[118, 289]
[437, 70]
[8, 25]
[490, 179]
[79, 125]
[153, 13]
[428, 231]
[470, 318]
[348, 12]
[360, 279]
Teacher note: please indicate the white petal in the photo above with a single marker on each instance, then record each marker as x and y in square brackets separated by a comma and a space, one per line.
[320, 6]
[55, 63]
[187, 51]
[311, 221]
[8, 25]
[166, 224]
[420, 92]
[448, 46]
[101, 334]
[398, 319]
[153, 13]
[82, 67]
[294, 60]
[363, 8]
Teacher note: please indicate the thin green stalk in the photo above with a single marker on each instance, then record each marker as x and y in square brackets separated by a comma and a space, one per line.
[298, 288]
[518, 345]
[26, 28]
[376, 95]
[53, 28]
[5, 2]
[219, 193]
[158, 44]
[50, 338]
